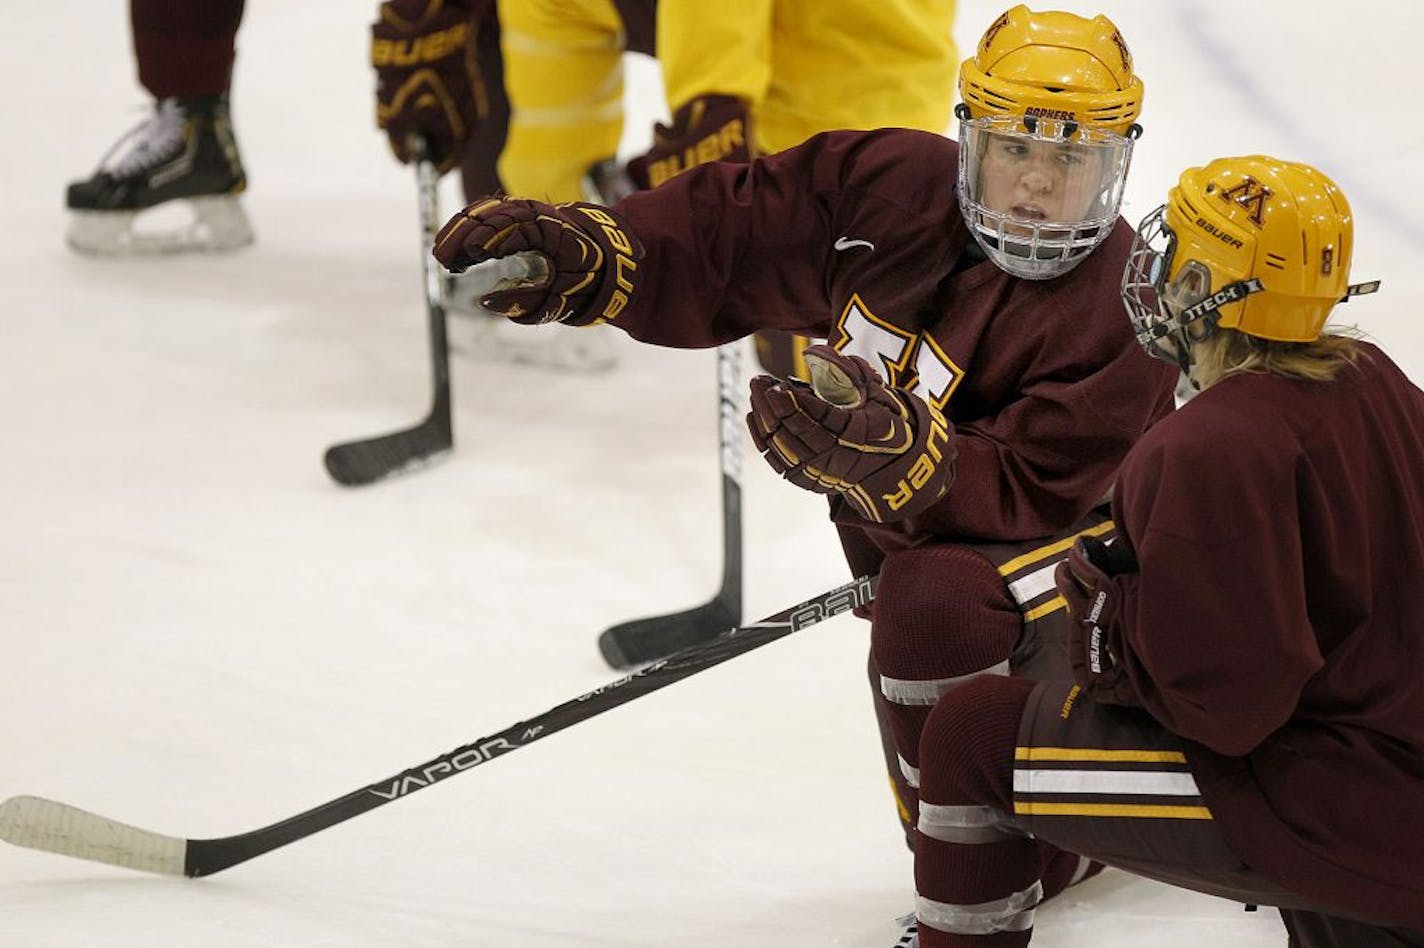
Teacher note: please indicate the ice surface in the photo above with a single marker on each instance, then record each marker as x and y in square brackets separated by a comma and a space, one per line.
[201, 634]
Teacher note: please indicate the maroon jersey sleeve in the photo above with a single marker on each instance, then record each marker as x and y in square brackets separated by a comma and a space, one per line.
[1215, 631]
[732, 249]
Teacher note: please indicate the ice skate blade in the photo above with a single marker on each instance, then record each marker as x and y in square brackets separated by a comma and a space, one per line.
[213, 224]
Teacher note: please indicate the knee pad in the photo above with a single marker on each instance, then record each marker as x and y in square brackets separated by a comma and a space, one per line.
[942, 611]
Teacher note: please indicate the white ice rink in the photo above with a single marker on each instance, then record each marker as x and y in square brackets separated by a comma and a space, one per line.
[201, 634]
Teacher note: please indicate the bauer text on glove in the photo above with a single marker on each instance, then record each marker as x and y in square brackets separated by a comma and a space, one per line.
[709, 128]
[427, 83]
[888, 452]
[1085, 580]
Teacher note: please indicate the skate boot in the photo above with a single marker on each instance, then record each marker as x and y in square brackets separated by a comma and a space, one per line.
[178, 174]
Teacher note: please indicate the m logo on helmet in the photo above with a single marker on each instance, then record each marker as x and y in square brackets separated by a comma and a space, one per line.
[992, 32]
[1250, 194]
[1121, 45]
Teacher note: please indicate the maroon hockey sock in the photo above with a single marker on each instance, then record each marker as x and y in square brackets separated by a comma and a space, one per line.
[986, 879]
[942, 612]
[185, 49]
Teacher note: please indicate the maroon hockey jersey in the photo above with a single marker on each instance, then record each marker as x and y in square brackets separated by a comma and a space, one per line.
[857, 237]
[1278, 625]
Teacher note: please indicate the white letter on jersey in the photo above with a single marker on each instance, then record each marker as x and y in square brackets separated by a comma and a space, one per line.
[891, 350]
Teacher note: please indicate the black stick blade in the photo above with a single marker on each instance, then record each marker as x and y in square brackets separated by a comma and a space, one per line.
[639, 641]
[358, 463]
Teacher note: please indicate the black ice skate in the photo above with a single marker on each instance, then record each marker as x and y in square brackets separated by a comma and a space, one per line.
[184, 154]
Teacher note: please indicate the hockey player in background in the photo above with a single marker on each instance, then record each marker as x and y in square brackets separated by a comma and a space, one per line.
[1248, 719]
[741, 78]
[991, 308]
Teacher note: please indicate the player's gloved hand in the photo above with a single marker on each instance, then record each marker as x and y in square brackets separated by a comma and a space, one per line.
[888, 452]
[426, 78]
[709, 128]
[1085, 581]
[589, 258]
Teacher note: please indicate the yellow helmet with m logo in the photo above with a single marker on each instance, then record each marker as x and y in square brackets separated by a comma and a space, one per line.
[1250, 243]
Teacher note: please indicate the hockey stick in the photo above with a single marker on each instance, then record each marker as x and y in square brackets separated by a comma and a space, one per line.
[59, 828]
[356, 463]
[632, 643]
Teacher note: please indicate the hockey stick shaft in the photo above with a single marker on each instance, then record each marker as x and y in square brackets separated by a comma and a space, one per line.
[428, 189]
[632, 643]
[730, 424]
[357, 463]
[56, 827]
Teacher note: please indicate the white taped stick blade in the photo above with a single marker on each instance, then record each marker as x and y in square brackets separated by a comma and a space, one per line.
[54, 827]
[526, 268]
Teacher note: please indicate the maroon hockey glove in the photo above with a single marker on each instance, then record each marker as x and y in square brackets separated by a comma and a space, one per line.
[709, 128]
[1084, 580]
[590, 258]
[888, 452]
[426, 78]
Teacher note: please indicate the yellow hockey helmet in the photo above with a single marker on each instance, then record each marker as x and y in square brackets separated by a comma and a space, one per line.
[1251, 243]
[1283, 223]
[1046, 128]
[1053, 65]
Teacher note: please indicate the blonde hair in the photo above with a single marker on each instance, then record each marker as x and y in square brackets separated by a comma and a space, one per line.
[1229, 352]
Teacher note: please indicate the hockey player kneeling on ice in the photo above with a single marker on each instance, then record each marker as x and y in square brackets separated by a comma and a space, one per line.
[968, 293]
[1247, 718]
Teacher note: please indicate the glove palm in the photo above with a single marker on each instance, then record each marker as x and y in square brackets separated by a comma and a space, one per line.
[887, 451]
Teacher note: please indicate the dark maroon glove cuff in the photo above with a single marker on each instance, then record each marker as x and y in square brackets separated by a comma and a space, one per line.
[709, 128]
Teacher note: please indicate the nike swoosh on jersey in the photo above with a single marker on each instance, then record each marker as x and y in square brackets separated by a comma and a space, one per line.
[845, 243]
